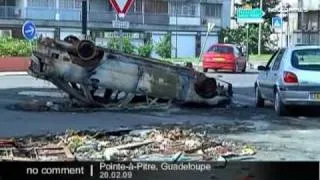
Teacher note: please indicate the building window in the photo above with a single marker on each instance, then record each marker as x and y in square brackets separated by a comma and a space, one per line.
[183, 9]
[78, 4]
[70, 4]
[156, 6]
[66, 4]
[42, 3]
[138, 6]
[212, 10]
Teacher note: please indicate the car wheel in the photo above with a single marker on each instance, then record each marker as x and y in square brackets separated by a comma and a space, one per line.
[205, 69]
[259, 99]
[279, 107]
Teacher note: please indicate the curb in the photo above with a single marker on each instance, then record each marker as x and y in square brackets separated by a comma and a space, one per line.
[20, 73]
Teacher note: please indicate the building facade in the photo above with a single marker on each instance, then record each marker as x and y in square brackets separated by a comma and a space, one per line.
[308, 26]
[185, 20]
[303, 25]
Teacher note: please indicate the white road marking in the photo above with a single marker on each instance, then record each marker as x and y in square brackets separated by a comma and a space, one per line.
[13, 73]
[44, 94]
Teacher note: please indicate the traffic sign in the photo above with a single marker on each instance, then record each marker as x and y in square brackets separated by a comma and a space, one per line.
[121, 6]
[120, 24]
[29, 30]
[250, 15]
[276, 22]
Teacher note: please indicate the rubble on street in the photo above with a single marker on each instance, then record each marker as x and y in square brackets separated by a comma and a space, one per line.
[159, 144]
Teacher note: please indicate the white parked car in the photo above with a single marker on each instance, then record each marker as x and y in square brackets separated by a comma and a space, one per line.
[291, 77]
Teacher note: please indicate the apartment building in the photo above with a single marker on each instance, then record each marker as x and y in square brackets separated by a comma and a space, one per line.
[308, 26]
[304, 22]
[186, 20]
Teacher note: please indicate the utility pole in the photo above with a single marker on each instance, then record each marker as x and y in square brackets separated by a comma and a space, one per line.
[281, 15]
[288, 27]
[302, 18]
[260, 33]
[84, 19]
[247, 48]
[176, 13]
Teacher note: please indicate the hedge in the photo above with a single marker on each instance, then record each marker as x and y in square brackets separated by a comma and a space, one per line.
[14, 47]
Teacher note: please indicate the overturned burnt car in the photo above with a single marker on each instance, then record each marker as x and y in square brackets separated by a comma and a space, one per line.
[97, 76]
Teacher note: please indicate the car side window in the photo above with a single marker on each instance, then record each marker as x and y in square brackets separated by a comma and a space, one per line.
[277, 62]
[272, 59]
[236, 52]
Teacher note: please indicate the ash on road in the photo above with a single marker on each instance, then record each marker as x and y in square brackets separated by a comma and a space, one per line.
[276, 138]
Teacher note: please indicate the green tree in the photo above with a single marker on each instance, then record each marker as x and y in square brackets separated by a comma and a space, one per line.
[163, 48]
[238, 36]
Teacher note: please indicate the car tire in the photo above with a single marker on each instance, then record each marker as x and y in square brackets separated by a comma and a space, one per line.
[205, 69]
[259, 100]
[279, 107]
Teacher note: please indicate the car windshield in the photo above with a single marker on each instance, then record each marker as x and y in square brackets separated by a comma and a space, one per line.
[306, 59]
[221, 49]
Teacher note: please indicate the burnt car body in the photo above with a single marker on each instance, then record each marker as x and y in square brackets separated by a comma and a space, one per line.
[99, 76]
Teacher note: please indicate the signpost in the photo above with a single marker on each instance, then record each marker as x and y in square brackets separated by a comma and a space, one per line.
[121, 7]
[250, 15]
[277, 22]
[29, 31]
[120, 24]
[210, 27]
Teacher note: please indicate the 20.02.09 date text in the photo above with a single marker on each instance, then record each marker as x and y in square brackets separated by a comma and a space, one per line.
[115, 175]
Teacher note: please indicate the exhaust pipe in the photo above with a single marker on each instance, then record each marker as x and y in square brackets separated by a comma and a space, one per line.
[85, 50]
[206, 87]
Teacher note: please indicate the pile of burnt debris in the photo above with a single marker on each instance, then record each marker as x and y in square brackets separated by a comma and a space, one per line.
[174, 144]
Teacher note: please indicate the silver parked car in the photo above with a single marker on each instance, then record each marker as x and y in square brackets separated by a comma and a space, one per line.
[291, 77]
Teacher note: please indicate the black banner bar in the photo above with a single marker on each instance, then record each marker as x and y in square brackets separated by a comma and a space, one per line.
[160, 170]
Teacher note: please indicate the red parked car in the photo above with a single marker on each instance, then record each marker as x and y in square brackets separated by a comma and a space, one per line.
[224, 57]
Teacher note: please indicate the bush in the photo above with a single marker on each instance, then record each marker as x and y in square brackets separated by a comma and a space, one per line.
[163, 48]
[14, 47]
[145, 50]
[127, 46]
[113, 43]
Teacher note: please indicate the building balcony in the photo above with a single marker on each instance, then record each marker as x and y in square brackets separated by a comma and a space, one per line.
[103, 17]
[10, 12]
[133, 18]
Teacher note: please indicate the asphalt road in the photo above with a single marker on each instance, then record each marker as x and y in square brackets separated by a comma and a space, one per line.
[285, 138]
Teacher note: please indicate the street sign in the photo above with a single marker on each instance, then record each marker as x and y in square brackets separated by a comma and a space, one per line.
[29, 30]
[210, 27]
[120, 24]
[276, 22]
[121, 6]
[250, 15]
